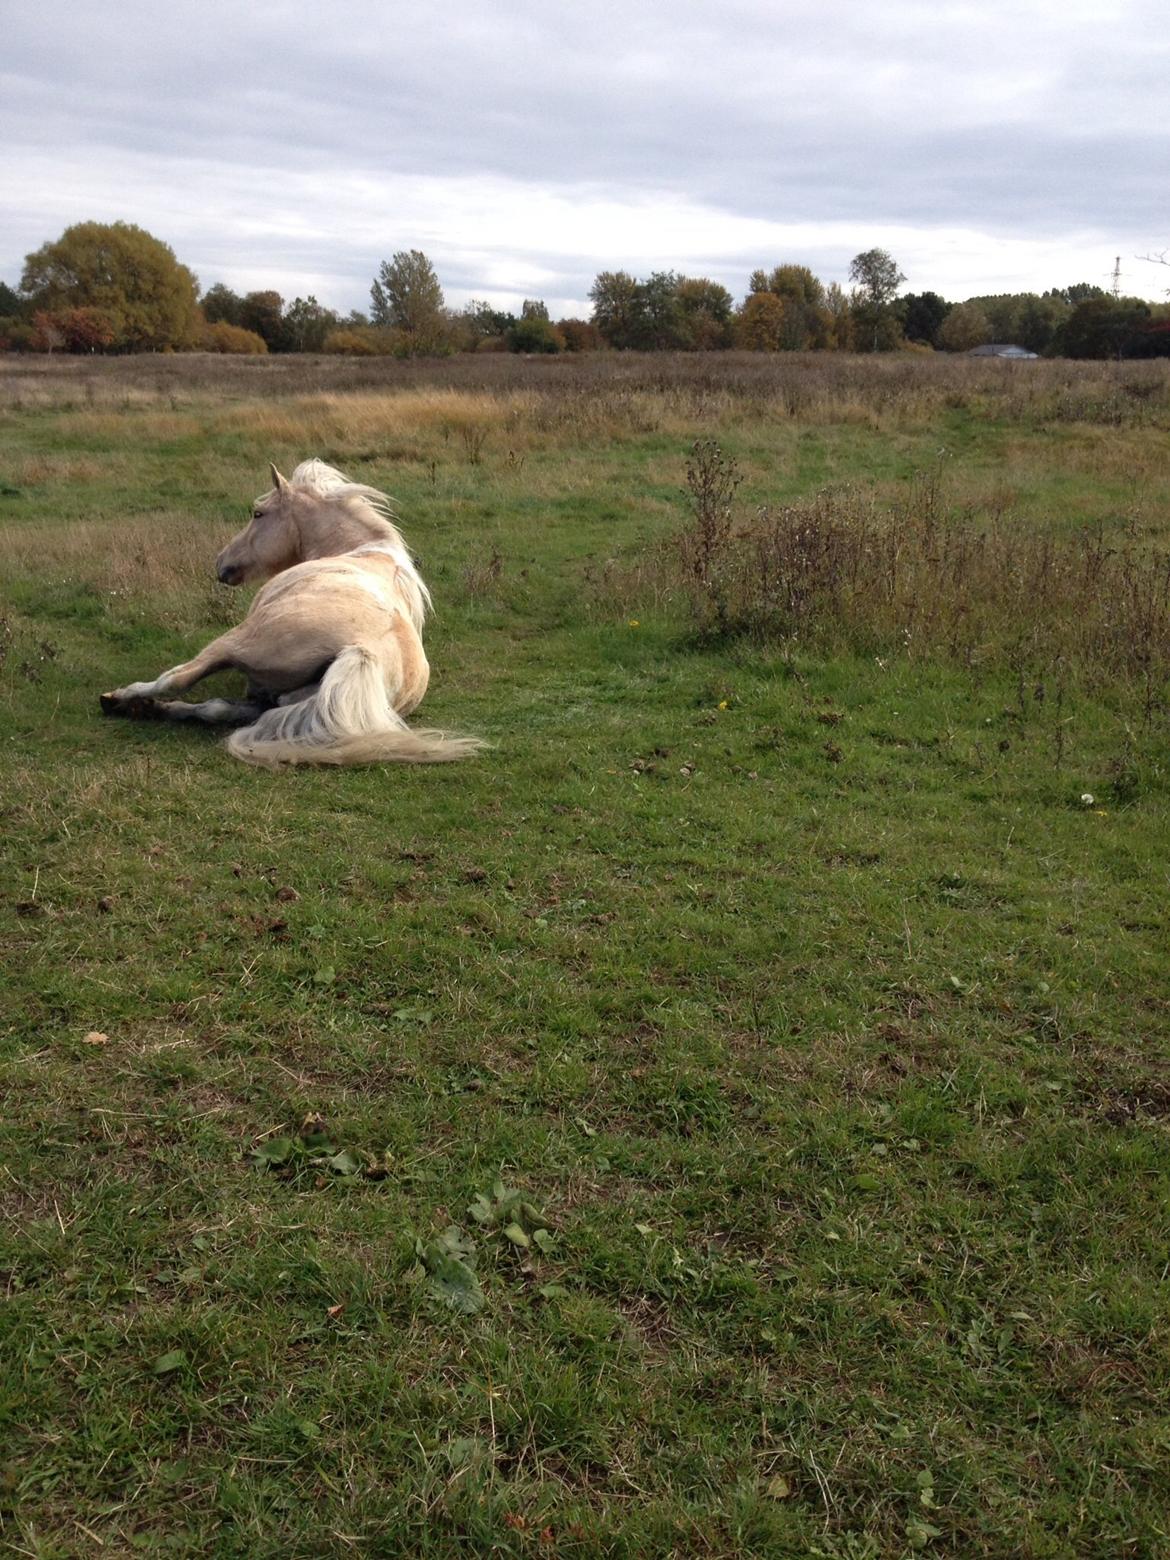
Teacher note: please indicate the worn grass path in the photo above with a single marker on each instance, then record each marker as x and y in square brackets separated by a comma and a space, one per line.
[820, 1023]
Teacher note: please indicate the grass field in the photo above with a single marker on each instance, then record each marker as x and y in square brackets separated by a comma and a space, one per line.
[728, 1118]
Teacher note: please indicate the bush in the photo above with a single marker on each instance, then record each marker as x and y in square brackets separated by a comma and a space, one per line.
[351, 343]
[16, 335]
[534, 335]
[580, 336]
[840, 571]
[222, 337]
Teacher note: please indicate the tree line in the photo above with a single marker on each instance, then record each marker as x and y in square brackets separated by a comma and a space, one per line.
[112, 287]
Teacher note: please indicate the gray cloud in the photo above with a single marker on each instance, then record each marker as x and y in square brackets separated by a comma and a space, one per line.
[316, 142]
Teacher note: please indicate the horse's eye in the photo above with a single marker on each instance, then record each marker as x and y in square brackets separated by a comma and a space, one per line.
[256, 513]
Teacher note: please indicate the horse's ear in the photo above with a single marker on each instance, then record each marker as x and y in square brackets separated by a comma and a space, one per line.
[278, 482]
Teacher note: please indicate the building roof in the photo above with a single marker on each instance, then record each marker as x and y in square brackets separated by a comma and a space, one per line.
[1001, 349]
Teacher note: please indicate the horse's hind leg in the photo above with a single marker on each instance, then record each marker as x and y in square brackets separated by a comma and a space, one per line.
[140, 699]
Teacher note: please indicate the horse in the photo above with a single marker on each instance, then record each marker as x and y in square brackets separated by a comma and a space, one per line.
[331, 646]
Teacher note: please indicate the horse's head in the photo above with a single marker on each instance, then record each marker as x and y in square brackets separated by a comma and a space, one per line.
[270, 542]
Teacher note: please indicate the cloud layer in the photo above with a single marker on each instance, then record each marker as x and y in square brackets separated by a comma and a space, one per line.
[526, 147]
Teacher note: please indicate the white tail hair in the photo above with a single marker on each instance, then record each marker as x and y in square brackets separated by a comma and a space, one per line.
[349, 720]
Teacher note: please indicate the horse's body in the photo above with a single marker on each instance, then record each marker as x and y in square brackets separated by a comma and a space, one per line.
[331, 646]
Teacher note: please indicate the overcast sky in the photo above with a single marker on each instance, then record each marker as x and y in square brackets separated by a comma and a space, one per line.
[990, 147]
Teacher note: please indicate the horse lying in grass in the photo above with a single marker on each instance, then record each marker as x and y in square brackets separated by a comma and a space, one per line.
[331, 646]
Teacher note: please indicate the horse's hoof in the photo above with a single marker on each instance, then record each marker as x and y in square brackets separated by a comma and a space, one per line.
[133, 707]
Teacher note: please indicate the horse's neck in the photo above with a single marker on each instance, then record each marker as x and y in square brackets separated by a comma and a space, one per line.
[341, 532]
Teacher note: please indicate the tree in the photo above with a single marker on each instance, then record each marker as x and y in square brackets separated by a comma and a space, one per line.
[660, 324]
[482, 322]
[1162, 257]
[614, 295]
[922, 314]
[706, 308]
[876, 276]
[86, 330]
[797, 281]
[966, 326]
[130, 277]
[1104, 327]
[263, 314]
[664, 313]
[9, 301]
[406, 296]
[533, 331]
[306, 324]
[580, 335]
[806, 321]
[1036, 322]
[760, 325]
[47, 334]
[1025, 319]
[839, 311]
[220, 303]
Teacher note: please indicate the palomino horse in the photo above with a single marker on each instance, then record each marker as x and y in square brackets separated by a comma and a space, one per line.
[331, 645]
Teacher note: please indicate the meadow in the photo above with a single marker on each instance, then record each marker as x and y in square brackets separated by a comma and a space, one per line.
[729, 1117]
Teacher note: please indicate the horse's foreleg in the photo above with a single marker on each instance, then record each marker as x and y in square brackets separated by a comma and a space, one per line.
[211, 712]
[140, 698]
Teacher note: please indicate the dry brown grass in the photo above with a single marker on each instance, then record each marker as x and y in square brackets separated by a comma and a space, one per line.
[609, 388]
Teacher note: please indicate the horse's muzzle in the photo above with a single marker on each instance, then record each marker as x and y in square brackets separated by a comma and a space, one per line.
[229, 574]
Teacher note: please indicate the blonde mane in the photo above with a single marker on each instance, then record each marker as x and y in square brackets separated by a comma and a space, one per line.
[369, 506]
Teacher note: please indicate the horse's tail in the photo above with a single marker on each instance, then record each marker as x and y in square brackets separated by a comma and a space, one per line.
[349, 720]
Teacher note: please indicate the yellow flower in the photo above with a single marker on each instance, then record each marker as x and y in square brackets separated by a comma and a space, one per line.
[722, 704]
[634, 623]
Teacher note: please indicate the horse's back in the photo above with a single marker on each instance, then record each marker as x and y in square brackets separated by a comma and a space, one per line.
[304, 617]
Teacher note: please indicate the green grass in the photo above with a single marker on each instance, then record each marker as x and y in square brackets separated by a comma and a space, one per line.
[822, 1022]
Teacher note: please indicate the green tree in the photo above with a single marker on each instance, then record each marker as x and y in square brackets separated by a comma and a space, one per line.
[263, 314]
[797, 281]
[1104, 327]
[1024, 318]
[660, 324]
[806, 321]
[221, 305]
[614, 295]
[706, 309]
[839, 312]
[481, 321]
[922, 314]
[131, 278]
[1037, 322]
[306, 324]
[9, 301]
[875, 275]
[966, 326]
[406, 296]
[533, 331]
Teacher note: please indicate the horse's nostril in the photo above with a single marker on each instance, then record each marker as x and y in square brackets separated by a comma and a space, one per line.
[227, 574]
